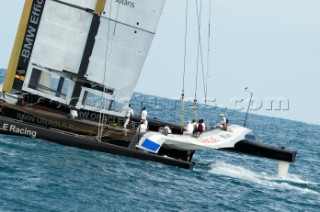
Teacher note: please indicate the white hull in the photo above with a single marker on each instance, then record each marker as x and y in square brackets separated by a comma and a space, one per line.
[212, 139]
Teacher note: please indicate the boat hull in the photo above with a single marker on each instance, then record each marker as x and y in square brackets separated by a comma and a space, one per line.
[258, 149]
[13, 127]
[31, 122]
[236, 139]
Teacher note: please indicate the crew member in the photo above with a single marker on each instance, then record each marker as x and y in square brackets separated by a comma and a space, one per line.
[224, 122]
[142, 127]
[144, 116]
[202, 126]
[129, 113]
[167, 130]
[188, 129]
[195, 125]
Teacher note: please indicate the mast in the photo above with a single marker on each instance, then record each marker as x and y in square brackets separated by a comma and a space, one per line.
[23, 43]
[100, 7]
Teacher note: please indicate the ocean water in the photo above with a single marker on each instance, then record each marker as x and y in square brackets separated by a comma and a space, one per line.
[37, 175]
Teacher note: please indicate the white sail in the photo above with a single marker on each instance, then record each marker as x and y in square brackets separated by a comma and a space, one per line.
[120, 45]
[90, 4]
[58, 47]
[61, 37]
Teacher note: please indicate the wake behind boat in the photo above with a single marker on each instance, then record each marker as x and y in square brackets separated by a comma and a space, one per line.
[68, 82]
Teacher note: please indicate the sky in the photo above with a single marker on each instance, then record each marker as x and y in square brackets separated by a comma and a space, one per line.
[270, 46]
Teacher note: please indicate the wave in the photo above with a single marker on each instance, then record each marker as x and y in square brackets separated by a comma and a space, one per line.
[290, 182]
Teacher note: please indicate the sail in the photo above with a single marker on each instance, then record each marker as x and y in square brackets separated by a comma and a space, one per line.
[122, 44]
[87, 54]
[31, 35]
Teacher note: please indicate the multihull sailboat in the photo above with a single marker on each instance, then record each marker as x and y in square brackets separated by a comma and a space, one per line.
[84, 57]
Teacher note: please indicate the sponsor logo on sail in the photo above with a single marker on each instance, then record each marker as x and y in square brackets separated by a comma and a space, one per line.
[125, 3]
[32, 28]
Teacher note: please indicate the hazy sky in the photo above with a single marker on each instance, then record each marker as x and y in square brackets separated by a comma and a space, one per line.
[270, 46]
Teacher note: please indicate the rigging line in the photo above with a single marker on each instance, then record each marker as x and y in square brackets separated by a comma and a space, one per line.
[197, 68]
[184, 66]
[185, 44]
[209, 50]
[108, 61]
[200, 47]
[99, 133]
[198, 55]
[208, 61]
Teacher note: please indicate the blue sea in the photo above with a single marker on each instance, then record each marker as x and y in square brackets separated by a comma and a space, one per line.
[37, 175]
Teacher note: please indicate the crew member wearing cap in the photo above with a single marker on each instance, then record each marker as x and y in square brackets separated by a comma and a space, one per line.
[223, 123]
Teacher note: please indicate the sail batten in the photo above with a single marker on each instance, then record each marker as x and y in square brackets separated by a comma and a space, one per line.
[127, 25]
[88, 5]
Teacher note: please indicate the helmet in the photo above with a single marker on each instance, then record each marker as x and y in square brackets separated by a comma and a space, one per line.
[221, 115]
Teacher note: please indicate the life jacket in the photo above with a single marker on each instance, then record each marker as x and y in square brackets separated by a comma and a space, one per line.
[201, 127]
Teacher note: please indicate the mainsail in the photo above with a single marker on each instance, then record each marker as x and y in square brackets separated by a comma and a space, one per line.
[87, 54]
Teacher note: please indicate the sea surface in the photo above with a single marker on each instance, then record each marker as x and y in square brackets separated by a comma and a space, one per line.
[36, 175]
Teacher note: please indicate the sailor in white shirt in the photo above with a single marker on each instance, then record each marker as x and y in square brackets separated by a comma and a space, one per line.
[189, 129]
[142, 127]
[224, 122]
[128, 114]
[144, 114]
